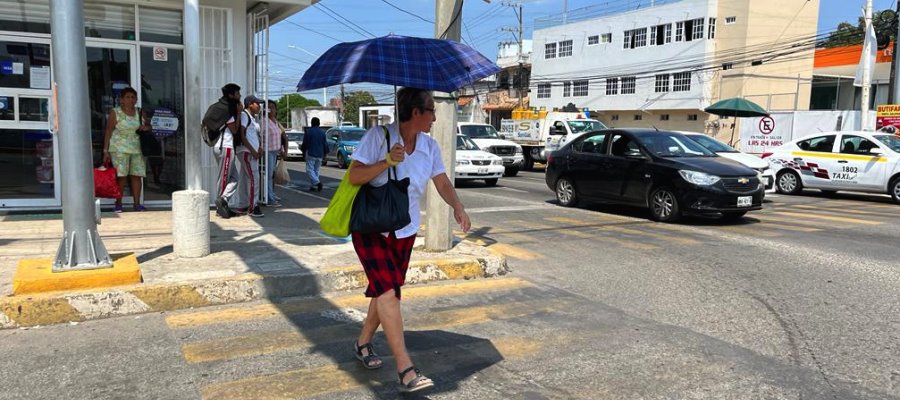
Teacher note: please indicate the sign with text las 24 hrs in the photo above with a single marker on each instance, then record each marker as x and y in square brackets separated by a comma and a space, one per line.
[887, 117]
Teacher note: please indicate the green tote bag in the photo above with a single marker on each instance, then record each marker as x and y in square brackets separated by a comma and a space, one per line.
[336, 221]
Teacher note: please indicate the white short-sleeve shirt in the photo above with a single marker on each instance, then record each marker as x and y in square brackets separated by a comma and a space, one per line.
[252, 132]
[420, 166]
[226, 139]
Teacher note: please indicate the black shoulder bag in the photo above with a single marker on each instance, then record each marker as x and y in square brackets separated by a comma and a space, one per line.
[383, 208]
[150, 147]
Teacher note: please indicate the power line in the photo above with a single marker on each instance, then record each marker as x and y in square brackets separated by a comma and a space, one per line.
[406, 12]
[313, 31]
[329, 12]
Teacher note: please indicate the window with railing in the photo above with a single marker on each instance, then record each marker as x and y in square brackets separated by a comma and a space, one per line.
[662, 83]
[580, 88]
[628, 84]
[550, 50]
[682, 82]
[543, 90]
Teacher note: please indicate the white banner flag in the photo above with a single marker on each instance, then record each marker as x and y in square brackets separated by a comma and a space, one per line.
[870, 49]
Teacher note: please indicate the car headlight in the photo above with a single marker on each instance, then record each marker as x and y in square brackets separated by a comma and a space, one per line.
[462, 162]
[518, 149]
[698, 178]
[498, 161]
[349, 148]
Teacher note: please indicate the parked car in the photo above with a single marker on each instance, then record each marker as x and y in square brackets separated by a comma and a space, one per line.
[295, 139]
[831, 161]
[767, 174]
[473, 163]
[342, 142]
[487, 139]
[665, 171]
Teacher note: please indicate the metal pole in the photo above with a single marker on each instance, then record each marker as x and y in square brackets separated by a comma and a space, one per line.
[895, 66]
[867, 74]
[520, 71]
[192, 108]
[439, 232]
[81, 246]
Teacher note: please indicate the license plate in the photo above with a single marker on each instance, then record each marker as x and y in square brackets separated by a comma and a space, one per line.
[745, 201]
[482, 170]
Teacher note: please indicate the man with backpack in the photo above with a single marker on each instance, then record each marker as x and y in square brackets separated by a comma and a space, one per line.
[248, 158]
[229, 105]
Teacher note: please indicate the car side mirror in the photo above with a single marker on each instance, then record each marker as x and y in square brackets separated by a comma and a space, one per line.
[635, 155]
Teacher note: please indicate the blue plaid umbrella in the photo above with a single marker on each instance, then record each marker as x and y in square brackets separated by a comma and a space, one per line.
[431, 64]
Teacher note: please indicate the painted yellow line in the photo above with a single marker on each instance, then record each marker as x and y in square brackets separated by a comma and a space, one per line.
[774, 219]
[828, 218]
[517, 237]
[515, 252]
[749, 230]
[836, 209]
[318, 381]
[268, 343]
[657, 236]
[628, 244]
[535, 226]
[792, 228]
[855, 157]
[570, 221]
[262, 311]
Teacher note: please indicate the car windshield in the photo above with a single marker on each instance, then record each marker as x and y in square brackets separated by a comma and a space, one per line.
[352, 135]
[578, 126]
[295, 137]
[668, 144]
[891, 141]
[464, 143]
[712, 145]
[479, 131]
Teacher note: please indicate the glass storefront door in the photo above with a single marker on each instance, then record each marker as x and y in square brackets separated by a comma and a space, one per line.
[27, 147]
[110, 68]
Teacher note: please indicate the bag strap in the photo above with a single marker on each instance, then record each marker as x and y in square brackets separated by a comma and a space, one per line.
[387, 143]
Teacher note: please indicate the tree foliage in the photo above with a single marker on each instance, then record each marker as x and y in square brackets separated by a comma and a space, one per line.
[352, 101]
[293, 100]
[847, 34]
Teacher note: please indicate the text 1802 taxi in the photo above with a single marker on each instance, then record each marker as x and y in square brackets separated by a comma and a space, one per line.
[831, 161]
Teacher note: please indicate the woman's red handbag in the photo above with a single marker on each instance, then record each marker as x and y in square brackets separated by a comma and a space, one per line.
[105, 185]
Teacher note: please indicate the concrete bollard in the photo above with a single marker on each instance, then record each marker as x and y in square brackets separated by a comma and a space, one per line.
[190, 223]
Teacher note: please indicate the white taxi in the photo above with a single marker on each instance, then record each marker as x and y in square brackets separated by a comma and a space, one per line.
[473, 163]
[766, 174]
[831, 161]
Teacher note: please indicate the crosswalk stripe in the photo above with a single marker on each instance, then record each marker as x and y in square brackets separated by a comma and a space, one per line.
[628, 244]
[779, 221]
[827, 218]
[805, 207]
[263, 311]
[658, 236]
[749, 230]
[792, 228]
[268, 343]
[317, 381]
[570, 221]
[515, 252]
[536, 226]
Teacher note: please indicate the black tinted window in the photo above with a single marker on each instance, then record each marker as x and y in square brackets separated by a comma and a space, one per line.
[851, 144]
[622, 144]
[820, 143]
[595, 144]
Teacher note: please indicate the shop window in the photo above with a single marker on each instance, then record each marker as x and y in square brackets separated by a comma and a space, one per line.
[19, 17]
[162, 97]
[34, 109]
[161, 26]
[7, 108]
[24, 65]
[109, 21]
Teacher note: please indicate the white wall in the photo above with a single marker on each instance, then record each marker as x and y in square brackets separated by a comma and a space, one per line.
[612, 59]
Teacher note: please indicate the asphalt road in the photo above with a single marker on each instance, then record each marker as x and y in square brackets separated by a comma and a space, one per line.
[797, 301]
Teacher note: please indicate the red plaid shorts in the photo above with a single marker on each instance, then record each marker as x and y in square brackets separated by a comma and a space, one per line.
[385, 259]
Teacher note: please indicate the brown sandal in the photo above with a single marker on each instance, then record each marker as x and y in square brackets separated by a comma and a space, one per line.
[370, 361]
[416, 384]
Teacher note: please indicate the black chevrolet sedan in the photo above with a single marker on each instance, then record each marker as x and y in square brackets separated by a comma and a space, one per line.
[664, 171]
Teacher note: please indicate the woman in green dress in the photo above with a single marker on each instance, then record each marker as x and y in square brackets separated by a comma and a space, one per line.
[122, 146]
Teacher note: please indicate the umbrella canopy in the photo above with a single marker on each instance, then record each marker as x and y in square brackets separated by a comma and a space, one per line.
[736, 107]
[431, 64]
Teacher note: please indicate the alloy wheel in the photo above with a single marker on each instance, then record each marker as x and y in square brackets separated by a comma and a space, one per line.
[663, 204]
[565, 191]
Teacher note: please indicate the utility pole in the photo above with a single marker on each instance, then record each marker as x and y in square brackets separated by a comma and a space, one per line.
[81, 247]
[867, 73]
[895, 68]
[439, 233]
[343, 99]
[517, 8]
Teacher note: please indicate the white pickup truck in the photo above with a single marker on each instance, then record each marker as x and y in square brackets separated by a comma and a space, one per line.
[487, 139]
[539, 137]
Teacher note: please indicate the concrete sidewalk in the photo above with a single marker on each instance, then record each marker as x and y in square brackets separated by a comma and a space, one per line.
[281, 255]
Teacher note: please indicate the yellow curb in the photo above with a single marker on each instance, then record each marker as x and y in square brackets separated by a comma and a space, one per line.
[37, 276]
[32, 311]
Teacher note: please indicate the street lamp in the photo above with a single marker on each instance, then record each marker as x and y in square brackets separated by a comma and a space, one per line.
[324, 90]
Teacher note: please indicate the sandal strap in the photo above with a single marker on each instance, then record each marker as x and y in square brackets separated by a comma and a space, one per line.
[405, 371]
[367, 346]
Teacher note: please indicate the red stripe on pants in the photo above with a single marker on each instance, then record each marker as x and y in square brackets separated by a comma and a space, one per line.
[249, 171]
[226, 167]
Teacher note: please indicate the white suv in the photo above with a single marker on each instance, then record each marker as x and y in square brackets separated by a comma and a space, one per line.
[487, 139]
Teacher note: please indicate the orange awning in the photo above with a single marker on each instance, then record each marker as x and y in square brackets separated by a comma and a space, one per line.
[848, 55]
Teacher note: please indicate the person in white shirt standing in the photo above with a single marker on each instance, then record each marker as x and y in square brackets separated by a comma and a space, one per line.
[385, 256]
[224, 151]
[248, 158]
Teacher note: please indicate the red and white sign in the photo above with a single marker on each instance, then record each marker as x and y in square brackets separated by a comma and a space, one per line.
[160, 54]
[766, 125]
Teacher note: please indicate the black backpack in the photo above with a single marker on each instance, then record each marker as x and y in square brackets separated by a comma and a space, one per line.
[215, 121]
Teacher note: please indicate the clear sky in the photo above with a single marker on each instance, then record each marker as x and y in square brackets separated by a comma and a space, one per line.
[314, 30]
